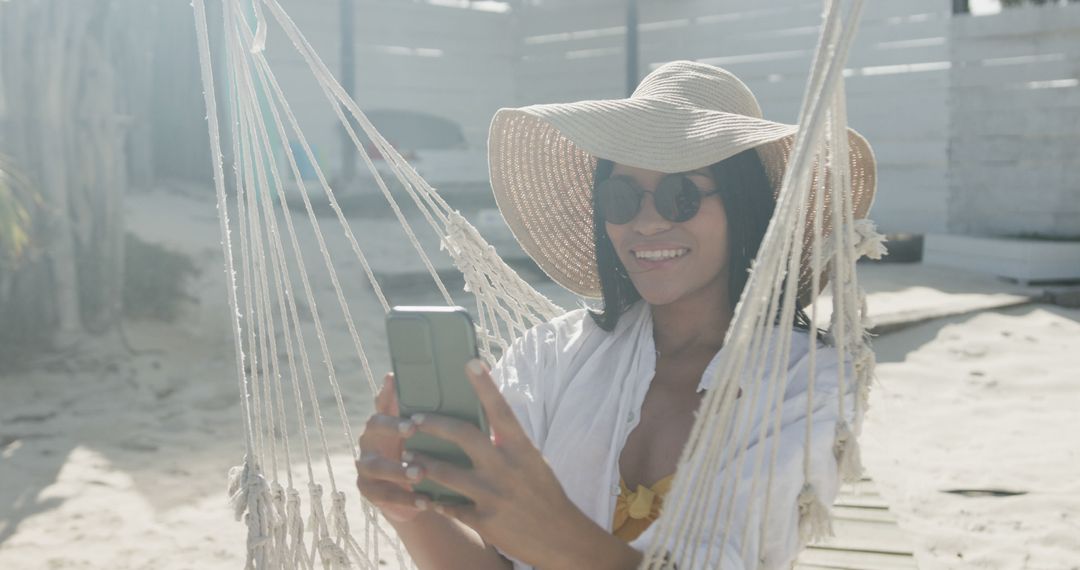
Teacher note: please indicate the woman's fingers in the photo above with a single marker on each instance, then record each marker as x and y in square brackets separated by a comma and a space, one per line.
[376, 467]
[383, 495]
[463, 513]
[475, 443]
[461, 480]
[382, 428]
[500, 416]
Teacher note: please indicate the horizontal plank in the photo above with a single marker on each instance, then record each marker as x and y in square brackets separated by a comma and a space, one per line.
[1033, 20]
[923, 182]
[547, 93]
[432, 70]
[547, 21]
[884, 537]
[865, 537]
[997, 51]
[973, 222]
[1004, 185]
[413, 25]
[827, 559]
[983, 100]
[863, 514]
[1037, 122]
[1032, 153]
[910, 152]
[543, 22]
[911, 220]
[910, 211]
[303, 92]
[998, 77]
[871, 11]
[688, 38]
[891, 90]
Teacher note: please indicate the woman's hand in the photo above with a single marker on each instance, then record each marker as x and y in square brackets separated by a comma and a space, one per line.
[519, 505]
[379, 472]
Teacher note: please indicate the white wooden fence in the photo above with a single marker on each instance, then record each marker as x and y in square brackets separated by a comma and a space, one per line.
[974, 120]
[1014, 105]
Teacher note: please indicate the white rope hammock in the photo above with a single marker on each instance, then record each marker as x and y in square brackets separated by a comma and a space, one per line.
[262, 294]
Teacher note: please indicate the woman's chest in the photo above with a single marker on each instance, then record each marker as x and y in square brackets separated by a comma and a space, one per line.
[652, 448]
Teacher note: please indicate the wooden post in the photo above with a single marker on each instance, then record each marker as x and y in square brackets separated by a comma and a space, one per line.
[348, 81]
[631, 46]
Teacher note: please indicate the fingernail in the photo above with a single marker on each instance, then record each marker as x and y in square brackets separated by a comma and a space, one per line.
[476, 366]
[421, 503]
[418, 419]
[412, 473]
[404, 426]
[407, 456]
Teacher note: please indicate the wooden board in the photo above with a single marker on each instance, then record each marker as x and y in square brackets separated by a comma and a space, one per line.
[867, 536]
[821, 559]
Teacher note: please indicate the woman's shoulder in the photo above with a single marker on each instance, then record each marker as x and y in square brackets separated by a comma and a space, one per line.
[825, 361]
[557, 333]
[566, 342]
[566, 324]
[576, 329]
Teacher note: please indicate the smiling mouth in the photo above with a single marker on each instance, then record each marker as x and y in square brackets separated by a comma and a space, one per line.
[660, 254]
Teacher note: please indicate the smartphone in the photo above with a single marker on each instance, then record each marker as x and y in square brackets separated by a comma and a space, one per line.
[429, 346]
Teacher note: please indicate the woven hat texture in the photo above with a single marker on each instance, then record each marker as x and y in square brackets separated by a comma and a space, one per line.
[682, 116]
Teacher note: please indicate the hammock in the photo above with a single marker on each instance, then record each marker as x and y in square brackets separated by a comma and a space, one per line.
[263, 488]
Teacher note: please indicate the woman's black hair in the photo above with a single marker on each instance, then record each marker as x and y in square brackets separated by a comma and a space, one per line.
[748, 200]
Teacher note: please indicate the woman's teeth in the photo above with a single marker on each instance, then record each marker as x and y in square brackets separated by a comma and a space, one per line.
[660, 254]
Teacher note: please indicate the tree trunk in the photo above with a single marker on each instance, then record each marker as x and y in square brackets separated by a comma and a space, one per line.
[52, 159]
[63, 121]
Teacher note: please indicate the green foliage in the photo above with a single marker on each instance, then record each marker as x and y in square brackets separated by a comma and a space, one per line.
[154, 280]
[19, 202]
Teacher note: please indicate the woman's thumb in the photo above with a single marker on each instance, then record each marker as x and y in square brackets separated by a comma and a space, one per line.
[386, 399]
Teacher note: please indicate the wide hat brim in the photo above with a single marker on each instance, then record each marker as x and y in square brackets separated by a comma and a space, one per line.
[541, 160]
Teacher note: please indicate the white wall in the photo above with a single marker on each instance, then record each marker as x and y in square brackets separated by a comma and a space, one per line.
[1015, 123]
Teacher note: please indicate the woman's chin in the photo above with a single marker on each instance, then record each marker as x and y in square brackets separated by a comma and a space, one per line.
[669, 289]
[659, 294]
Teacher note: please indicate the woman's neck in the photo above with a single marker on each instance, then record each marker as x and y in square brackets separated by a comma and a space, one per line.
[697, 321]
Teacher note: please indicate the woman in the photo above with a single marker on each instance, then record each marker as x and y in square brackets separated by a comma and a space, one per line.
[656, 204]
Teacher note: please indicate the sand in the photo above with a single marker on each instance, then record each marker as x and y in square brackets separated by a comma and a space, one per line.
[114, 460]
[985, 402]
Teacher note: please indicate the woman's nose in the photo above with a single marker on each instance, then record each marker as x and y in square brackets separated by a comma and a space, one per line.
[648, 220]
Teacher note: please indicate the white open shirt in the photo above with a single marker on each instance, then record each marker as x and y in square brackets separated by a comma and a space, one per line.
[577, 391]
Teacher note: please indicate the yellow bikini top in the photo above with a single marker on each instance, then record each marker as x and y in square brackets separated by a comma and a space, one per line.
[636, 510]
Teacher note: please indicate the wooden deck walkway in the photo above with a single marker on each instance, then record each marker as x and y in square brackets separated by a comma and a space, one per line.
[867, 536]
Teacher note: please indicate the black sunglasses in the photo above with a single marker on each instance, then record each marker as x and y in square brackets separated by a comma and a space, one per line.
[677, 198]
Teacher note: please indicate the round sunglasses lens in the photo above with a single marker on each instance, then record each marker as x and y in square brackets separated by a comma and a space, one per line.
[678, 198]
[617, 200]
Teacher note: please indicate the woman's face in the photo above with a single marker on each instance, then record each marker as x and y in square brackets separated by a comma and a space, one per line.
[702, 241]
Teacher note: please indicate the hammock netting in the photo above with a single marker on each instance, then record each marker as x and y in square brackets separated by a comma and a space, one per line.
[280, 398]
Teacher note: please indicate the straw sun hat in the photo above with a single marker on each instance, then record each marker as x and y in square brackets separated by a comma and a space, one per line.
[683, 116]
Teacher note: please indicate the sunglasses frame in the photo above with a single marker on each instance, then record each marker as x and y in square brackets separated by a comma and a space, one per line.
[670, 184]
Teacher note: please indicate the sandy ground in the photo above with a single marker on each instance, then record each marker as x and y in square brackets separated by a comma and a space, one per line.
[113, 460]
[982, 403]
